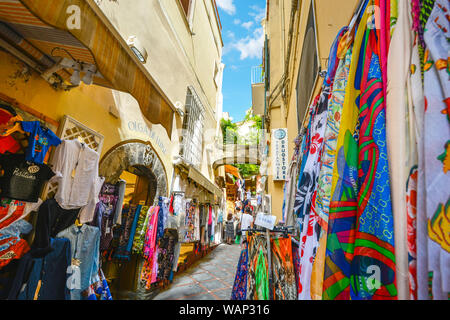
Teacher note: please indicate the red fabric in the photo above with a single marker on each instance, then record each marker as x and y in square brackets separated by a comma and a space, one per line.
[10, 144]
[16, 251]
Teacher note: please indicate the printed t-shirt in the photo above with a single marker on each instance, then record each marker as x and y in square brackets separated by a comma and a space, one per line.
[39, 141]
[21, 179]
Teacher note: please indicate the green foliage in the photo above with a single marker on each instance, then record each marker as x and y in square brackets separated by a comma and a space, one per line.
[247, 170]
[229, 131]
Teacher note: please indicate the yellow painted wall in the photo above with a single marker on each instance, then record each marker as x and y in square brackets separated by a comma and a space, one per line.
[331, 16]
[87, 104]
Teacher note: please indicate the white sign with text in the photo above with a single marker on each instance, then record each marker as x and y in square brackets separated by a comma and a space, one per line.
[265, 220]
[279, 153]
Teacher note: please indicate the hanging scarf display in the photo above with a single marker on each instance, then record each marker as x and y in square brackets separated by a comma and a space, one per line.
[437, 148]
[257, 279]
[150, 248]
[166, 253]
[283, 269]
[239, 291]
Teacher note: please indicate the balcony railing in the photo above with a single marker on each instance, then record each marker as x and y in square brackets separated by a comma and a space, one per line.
[257, 75]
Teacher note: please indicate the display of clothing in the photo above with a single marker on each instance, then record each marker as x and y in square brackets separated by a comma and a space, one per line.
[51, 220]
[139, 235]
[121, 185]
[76, 168]
[129, 220]
[283, 269]
[40, 140]
[9, 144]
[166, 253]
[11, 245]
[45, 277]
[22, 180]
[437, 149]
[257, 276]
[84, 254]
[239, 291]
[14, 210]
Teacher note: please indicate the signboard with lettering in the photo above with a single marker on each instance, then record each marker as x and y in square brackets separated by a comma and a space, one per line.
[279, 153]
[265, 220]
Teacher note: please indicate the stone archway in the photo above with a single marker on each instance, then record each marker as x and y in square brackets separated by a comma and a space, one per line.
[134, 153]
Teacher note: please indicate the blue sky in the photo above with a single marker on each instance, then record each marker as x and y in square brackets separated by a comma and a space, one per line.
[243, 40]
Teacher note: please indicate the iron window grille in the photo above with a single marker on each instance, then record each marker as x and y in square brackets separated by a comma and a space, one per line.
[192, 137]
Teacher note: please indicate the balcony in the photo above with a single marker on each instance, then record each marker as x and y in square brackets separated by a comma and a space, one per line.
[258, 90]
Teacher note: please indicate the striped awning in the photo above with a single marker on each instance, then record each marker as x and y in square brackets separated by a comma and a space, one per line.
[37, 27]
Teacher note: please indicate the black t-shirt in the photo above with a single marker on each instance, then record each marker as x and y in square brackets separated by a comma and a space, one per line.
[21, 179]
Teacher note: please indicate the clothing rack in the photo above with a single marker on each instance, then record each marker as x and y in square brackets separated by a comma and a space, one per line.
[277, 229]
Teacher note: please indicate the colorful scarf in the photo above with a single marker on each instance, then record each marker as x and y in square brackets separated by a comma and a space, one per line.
[343, 204]
[239, 291]
[283, 269]
[257, 280]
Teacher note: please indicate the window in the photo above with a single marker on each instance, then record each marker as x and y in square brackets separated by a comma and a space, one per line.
[309, 67]
[192, 137]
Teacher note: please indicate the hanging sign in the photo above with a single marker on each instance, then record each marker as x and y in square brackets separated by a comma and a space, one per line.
[279, 153]
[265, 220]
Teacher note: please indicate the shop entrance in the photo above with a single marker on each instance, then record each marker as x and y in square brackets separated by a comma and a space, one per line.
[136, 163]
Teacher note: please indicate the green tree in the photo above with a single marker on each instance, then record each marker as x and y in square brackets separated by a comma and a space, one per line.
[229, 131]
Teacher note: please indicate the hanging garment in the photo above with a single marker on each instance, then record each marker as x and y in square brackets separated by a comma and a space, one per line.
[85, 255]
[335, 105]
[396, 119]
[150, 249]
[318, 223]
[51, 220]
[373, 263]
[40, 140]
[414, 186]
[239, 291]
[21, 179]
[129, 213]
[14, 210]
[166, 253]
[343, 204]
[43, 278]
[297, 266]
[191, 223]
[257, 279]
[76, 168]
[11, 244]
[88, 211]
[141, 228]
[121, 186]
[437, 148]
[283, 269]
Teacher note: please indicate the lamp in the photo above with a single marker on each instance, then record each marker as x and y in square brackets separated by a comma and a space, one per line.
[137, 48]
[89, 74]
[75, 78]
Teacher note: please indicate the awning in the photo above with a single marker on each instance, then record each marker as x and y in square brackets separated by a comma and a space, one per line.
[232, 170]
[198, 177]
[36, 27]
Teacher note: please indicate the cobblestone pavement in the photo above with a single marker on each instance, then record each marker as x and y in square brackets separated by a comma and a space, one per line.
[210, 278]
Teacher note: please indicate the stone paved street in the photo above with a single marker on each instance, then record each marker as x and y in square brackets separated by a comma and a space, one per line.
[208, 279]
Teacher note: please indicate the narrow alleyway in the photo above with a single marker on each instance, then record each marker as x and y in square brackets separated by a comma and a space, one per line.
[211, 278]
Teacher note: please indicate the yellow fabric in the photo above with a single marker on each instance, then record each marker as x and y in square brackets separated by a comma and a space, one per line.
[349, 110]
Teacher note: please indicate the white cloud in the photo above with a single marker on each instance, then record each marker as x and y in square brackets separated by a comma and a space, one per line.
[237, 21]
[247, 25]
[227, 6]
[251, 46]
[258, 13]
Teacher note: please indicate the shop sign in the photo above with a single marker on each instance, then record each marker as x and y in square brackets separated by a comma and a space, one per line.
[279, 153]
[265, 220]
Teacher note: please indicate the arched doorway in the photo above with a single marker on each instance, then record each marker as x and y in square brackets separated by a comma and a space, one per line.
[137, 163]
[140, 156]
